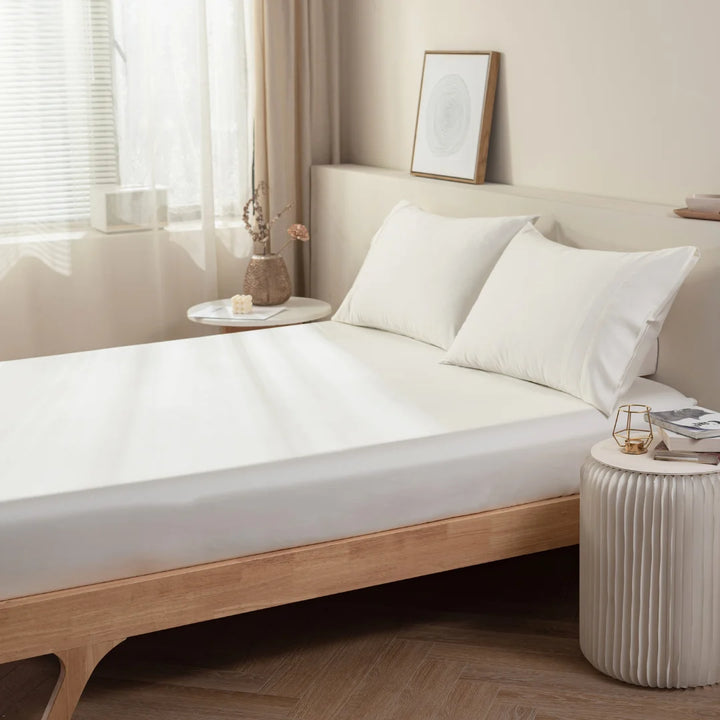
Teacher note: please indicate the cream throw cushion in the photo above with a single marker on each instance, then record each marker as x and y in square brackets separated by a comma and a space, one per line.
[580, 321]
[423, 272]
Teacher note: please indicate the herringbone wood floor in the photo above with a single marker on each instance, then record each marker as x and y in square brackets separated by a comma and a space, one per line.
[495, 642]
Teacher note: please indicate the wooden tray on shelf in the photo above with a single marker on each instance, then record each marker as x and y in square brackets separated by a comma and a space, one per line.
[697, 214]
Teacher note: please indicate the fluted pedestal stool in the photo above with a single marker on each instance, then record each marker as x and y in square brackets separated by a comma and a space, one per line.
[650, 568]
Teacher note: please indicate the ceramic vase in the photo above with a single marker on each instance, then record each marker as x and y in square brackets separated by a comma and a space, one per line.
[267, 280]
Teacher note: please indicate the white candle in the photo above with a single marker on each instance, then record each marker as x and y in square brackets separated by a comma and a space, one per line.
[242, 304]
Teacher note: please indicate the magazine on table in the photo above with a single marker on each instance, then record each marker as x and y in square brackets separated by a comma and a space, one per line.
[693, 422]
[683, 443]
[705, 458]
[222, 310]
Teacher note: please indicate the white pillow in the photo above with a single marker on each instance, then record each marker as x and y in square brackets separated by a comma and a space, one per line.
[423, 272]
[580, 321]
[651, 356]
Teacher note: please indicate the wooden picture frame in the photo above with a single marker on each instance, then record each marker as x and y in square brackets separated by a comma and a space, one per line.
[454, 115]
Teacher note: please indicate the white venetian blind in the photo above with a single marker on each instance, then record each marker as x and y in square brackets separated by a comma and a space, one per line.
[57, 135]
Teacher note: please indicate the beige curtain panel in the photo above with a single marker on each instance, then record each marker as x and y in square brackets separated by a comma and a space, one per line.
[296, 112]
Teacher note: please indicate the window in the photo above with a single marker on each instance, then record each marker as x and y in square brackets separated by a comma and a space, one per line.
[140, 93]
[161, 91]
[57, 132]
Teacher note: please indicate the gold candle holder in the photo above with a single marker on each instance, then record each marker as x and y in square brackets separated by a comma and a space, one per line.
[632, 430]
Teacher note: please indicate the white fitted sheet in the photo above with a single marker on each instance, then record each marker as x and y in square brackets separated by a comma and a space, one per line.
[120, 462]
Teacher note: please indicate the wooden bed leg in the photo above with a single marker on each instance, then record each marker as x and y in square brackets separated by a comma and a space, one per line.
[76, 667]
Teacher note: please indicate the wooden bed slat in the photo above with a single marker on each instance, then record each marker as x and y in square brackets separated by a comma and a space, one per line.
[106, 612]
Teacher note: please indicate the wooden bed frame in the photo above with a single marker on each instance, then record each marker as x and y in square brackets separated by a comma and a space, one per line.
[81, 625]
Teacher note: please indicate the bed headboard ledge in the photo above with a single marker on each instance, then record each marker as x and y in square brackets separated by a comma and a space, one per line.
[350, 201]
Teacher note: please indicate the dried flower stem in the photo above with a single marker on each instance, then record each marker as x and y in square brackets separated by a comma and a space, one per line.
[284, 210]
[285, 244]
[254, 216]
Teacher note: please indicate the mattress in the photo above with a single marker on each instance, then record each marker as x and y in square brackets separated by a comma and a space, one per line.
[125, 461]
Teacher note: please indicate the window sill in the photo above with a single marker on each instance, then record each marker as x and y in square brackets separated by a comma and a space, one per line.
[70, 233]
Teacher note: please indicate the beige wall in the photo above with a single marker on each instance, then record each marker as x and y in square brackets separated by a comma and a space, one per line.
[607, 97]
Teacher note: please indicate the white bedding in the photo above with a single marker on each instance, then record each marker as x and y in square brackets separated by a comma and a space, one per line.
[125, 461]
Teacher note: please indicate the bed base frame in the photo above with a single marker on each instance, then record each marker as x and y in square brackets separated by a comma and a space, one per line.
[81, 625]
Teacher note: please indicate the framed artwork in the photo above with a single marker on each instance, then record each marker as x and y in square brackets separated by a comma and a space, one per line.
[452, 131]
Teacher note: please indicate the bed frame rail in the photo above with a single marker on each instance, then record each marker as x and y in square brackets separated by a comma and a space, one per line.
[80, 625]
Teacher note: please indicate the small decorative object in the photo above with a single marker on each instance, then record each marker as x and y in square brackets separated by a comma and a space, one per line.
[267, 278]
[701, 207]
[242, 304]
[632, 430]
[697, 214]
[704, 203]
[452, 132]
[114, 208]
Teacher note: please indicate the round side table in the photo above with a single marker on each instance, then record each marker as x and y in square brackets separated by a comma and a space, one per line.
[650, 568]
[297, 310]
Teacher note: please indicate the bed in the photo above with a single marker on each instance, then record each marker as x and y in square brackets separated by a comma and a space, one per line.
[140, 485]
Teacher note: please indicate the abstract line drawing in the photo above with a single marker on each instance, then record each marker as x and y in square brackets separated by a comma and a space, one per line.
[448, 115]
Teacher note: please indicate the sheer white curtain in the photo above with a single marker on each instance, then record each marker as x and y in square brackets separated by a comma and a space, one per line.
[135, 93]
[181, 97]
